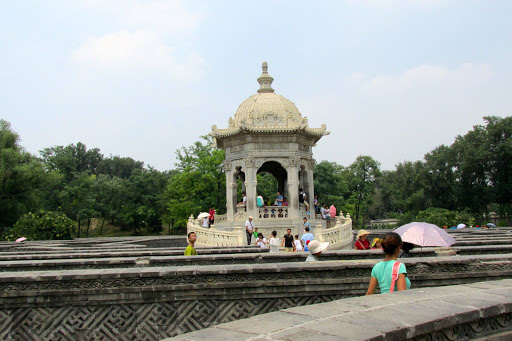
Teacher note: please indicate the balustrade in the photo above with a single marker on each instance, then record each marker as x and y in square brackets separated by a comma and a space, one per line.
[273, 212]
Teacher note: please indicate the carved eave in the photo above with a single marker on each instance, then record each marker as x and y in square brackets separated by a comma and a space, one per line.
[316, 133]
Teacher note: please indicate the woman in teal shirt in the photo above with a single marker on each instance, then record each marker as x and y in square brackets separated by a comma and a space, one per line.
[382, 271]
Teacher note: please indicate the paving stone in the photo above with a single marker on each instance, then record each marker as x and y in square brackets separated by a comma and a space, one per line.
[343, 329]
[302, 334]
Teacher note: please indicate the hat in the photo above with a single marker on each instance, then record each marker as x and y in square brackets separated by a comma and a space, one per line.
[250, 217]
[362, 233]
[315, 246]
[376, 240]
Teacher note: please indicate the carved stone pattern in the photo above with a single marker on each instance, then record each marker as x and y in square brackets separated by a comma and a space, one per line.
[269, 119]
[271, 146]
[412, 270]
[236, 149]
[472, 330]
[149, 321]
[249, 162]
[303, 148]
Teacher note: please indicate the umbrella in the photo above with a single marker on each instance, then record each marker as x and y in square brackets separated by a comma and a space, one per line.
[461, 226]
[332, 211]
[22, 239]
[491, 225]
[424, 234]
[203, 215]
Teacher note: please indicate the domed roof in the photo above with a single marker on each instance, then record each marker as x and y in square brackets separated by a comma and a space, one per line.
[266, 109]
[267, 112]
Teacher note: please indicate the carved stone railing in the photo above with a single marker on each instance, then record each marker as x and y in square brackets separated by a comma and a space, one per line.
[214, 237]
[273, 212]
[340, 236]
[221, 218]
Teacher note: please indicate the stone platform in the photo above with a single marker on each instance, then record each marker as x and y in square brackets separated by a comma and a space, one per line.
[480, 311]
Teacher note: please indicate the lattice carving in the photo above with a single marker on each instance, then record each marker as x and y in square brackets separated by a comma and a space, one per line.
[151, 321]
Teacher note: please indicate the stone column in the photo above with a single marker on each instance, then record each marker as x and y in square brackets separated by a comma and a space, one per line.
[250, 186]
[229, 193]
[293, 189]
[310, 191]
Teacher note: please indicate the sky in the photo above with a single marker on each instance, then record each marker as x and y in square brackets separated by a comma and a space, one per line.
[141, 79]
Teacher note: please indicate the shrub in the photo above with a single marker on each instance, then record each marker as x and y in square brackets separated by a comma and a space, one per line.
[42, 226]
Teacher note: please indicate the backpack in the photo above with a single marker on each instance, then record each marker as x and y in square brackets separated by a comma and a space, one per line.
[394, 276]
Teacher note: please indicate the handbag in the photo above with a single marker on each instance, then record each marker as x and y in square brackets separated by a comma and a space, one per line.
[394, 276]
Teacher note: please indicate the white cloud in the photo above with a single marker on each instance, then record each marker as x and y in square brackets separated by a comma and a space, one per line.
[162, 16]
[143, 49]
[428, 76]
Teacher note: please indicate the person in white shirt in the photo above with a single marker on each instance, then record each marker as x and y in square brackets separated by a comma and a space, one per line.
[298, 244]
[206, 222]
[249, 226]
[261, 242]
[274, 242]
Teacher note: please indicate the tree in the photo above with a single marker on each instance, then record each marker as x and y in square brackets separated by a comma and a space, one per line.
[499, 139]
[332, 184]
[198, 183]
[365, 171]
[20, 175]
[72, 159]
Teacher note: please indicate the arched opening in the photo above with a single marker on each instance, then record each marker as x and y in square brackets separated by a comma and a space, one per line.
[271, 179]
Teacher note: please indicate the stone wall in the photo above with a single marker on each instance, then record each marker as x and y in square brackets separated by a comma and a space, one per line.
[157, 302]
[443, 313]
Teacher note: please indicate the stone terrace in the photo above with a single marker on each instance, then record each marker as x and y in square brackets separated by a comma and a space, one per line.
[142, 289]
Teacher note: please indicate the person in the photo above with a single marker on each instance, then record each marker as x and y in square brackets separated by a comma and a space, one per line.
[249, 226]
[361, 242]
[206, 222]
[244, 200]
[211, 216]
[261, 242]
[317, 206]
[190, 251]
[316, 248]
[307, 238]
[255, 233]
[259, 201]
[306, 224]
[406, 248]
[274, 242]
[323, 211]
[302, 200]
[285, 202]
[377, 243]
[382, 272]
[289, 246]
[298, 243]
[279, 199]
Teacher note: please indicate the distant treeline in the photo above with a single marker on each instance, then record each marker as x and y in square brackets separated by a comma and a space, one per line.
[461, 182]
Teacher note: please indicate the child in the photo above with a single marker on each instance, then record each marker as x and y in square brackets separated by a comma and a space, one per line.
[261, 242]
[377, 243]
[274, 242]
[389, 274]
[190, 251]
[255, 233]
[298, 244]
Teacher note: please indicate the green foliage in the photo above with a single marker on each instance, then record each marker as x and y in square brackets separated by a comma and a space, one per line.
[438, 216]
[20, 175]
[332, 185]
[198, 183]
[42, 226]
[267, 186]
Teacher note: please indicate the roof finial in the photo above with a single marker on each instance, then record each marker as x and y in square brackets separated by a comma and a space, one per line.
[265, 80]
